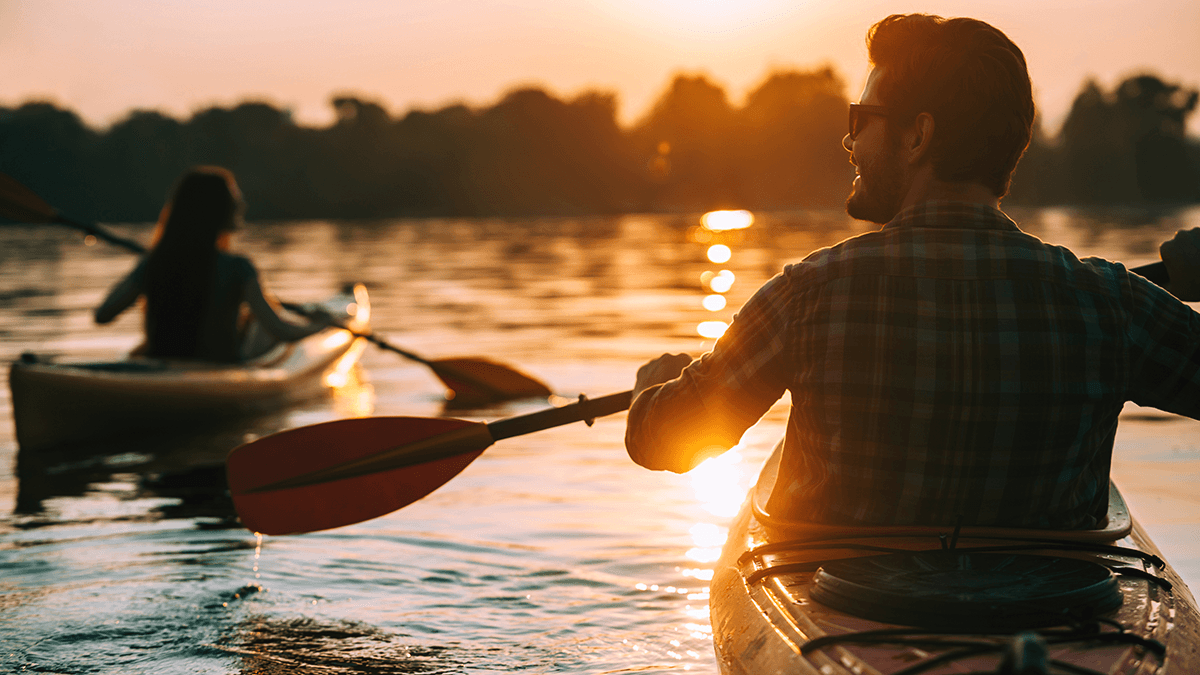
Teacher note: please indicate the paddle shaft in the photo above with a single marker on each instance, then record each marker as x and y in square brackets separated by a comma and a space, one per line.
[374, 339]
[456, 442]
[585, 410]
[101, 233]
[384, 344]
[439, 369]
[380, 342]
[1155, 272]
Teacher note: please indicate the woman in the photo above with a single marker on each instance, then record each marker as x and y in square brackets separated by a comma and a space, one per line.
[199, 297]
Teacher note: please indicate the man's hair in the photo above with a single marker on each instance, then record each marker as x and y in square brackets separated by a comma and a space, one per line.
[974, 82]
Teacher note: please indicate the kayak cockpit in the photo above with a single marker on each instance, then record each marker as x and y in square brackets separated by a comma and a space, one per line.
[800, 597]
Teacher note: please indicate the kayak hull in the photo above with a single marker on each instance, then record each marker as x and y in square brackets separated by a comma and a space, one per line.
[58, 404]
[765, 617]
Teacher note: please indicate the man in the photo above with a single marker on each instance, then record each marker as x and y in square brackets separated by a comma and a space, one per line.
[948, 367]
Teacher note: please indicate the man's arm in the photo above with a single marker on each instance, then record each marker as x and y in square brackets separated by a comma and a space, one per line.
[685, 411]
[267, 311]
[1166, 333]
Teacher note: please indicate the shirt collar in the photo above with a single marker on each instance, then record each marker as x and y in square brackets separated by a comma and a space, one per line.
[951, 214]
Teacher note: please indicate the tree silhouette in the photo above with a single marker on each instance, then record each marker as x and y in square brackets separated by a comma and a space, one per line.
[686, 143]
[147, 149]
[532, 153]
[1128, 147]
[45, 146]
[789, 141]
[1157, 112]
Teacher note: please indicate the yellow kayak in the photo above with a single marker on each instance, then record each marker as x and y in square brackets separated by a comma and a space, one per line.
[804, 598]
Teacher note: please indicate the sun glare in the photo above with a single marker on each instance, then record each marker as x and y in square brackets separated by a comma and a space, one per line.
[708, 539]
[719, 483]
[714, 302]
[719, 253]
[712, 329]
[720, 282]
[721, 221]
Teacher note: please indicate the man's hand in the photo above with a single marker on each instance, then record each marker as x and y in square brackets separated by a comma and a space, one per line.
[656, 371]
[1181, 255]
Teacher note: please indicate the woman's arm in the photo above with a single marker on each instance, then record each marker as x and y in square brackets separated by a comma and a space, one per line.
[266, 311]
[122, 294]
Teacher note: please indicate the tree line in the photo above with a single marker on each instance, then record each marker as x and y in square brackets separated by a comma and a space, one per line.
[532, 153]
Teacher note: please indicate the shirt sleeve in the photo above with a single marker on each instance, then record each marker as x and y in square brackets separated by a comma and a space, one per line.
[1164, 336]
[266, 308]
[122, 294]
[702, 413]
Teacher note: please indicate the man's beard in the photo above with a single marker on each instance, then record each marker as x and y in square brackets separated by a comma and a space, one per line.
[880, 190]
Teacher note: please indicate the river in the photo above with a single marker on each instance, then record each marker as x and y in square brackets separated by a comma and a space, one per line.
[551, 553]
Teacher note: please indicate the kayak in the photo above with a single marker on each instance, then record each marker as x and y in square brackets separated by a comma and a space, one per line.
[68, 403]
[794, 597]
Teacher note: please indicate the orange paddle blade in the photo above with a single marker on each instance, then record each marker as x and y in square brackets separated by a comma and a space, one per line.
[19, 203]
[475, 380]
[337, 473]
[471, 380]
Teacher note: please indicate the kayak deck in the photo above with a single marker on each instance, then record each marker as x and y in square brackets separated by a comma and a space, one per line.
[63, 403]
[766, 619]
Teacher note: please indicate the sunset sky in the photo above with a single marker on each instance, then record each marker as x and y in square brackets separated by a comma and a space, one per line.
[103, 59]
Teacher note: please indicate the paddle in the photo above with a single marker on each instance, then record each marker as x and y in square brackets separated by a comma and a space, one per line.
[346, 471]
[470, 380]
[19, 203]
[1156, 272]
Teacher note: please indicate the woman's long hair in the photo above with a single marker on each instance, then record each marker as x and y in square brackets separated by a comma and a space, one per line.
[181, 266]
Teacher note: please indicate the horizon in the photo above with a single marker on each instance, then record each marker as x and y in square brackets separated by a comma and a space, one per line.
[179, 58]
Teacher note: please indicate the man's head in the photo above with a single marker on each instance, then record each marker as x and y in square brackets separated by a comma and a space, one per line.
[952, 93]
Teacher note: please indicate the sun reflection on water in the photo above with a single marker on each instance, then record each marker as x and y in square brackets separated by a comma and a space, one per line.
[721, 221]
[719, 483]
[718, 487]
[719, 253]
[714, 302]
[718, 229]
[722, 281]
[353, 395]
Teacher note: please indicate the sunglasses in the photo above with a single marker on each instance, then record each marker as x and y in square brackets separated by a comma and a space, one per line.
[858, 111]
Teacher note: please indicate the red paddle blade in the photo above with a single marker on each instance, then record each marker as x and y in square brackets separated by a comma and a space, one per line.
[476, 380]
[346, 471]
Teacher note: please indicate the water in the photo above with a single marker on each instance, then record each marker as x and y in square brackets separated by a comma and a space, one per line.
[551, 553]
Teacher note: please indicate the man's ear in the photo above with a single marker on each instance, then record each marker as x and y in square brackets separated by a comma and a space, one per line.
[920, 138]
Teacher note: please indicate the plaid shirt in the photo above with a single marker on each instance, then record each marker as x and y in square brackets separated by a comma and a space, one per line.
[946, 366]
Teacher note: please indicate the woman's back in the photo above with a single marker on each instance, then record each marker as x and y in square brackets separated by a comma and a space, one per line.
[208, 327]
[181, 269]
[199, 298]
